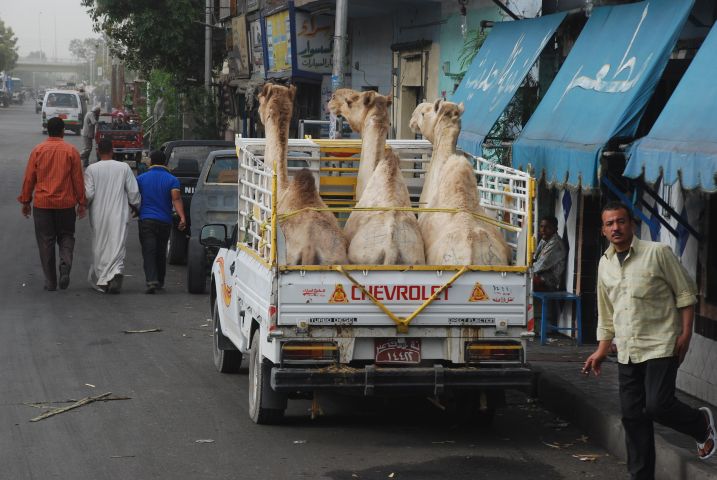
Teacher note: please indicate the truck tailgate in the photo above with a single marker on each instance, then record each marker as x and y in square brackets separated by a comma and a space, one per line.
[476, 298]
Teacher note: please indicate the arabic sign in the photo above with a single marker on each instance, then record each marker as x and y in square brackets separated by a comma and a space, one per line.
[601, 90]
[497, 71]
[257, 48]
[239, 65]
[278, 42]
[314, 42]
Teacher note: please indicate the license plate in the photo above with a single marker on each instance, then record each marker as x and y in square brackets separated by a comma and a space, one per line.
[398, 350]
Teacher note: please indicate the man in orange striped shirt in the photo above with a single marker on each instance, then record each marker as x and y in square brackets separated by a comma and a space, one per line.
[54, 175]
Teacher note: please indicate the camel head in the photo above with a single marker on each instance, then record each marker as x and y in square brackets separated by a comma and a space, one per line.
[448, 114]
[356, 107]
[423, 120]
[276, 103]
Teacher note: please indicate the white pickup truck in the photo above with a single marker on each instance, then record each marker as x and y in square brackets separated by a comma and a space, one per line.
[455, 333]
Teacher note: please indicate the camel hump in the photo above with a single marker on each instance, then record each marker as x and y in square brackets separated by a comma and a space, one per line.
[304, 181]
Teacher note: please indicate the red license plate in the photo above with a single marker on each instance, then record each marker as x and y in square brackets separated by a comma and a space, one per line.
[398, 350]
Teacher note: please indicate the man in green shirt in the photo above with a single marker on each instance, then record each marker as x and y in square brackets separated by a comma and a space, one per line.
[646, 304]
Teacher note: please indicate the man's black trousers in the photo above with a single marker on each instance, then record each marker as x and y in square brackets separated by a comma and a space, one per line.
[647, 394]
[154, 236]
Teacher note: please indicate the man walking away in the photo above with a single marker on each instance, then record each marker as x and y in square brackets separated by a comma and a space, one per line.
[88, 134]
[54, 175]
[111, 191]
[646, 303]
[160, 191]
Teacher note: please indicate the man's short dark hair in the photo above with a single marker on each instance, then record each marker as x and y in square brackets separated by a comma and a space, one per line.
[55, 127]
[157, 157]
[551, 220]
[615, 205]
[104, 146]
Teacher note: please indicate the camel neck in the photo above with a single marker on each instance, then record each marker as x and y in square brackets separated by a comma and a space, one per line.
[373, 140]
[277, 139]
[445, 143]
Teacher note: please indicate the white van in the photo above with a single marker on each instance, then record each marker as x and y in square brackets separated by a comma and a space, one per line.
[65, 104]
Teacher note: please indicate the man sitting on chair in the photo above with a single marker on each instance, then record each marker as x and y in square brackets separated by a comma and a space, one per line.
[549, 260]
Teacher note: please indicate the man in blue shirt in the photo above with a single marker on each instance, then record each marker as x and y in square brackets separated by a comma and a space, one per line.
[160, 191]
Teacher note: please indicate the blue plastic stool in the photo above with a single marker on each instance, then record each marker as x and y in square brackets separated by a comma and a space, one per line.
[546, 326]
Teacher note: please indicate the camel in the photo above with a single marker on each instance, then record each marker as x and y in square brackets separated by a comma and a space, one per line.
[378, 237]
[367, 114]
[312, 238]
[453, 238]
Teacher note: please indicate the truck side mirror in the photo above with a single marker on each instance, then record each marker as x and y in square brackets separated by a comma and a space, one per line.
[213, 235]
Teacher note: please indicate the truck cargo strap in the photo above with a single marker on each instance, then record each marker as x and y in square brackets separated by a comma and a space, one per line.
[402, 323]
[375, 380]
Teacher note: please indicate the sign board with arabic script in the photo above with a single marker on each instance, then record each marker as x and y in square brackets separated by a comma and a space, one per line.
[278, 42]
[314, 43]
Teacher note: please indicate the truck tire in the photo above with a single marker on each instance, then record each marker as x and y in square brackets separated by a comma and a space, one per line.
[266, 407]
[196, 271]
[225, 361]
[177, 247]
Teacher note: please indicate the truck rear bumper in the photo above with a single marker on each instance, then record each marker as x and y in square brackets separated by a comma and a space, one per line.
[375, 380]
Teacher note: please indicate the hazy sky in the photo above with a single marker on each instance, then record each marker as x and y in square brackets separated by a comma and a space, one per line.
[47, 23]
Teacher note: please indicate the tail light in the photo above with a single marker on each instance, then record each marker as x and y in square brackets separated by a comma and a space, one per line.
[494, 351]
[309, 352]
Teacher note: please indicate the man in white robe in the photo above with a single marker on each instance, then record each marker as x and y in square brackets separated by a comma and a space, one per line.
[111, 191]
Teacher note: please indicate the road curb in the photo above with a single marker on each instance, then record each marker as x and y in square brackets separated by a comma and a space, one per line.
[605, 428]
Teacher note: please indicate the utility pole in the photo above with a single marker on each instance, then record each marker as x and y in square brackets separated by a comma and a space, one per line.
[208, 45]
[337, 73]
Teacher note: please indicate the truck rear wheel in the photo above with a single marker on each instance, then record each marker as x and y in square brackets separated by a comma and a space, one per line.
[225, 361]
[177, 247]
[196, 269]
[266, 407]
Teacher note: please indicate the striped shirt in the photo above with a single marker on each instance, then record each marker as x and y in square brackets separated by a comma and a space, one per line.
[54, 174]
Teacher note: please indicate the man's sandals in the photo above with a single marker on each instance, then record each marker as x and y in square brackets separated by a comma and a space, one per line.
[707, 448]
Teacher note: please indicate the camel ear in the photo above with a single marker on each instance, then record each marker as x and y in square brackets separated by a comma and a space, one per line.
[461, 108]
[369, 98]
[266, 91]
[437, 105]
[292, 92]
[389, 100]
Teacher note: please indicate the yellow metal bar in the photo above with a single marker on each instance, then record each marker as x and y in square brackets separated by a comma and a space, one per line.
[497, 223]
[396, 320]
[274, 228]
[406, 268]
[340, 159]
[425, 304]
[530, 241]
[338, 169]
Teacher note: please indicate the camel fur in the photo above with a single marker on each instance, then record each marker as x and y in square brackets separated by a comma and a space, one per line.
[378, 237]
[367, 114]
[312, 238]
[454, 238]
[385, 237]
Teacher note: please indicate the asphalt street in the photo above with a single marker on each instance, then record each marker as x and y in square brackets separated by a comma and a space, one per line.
[183, 420]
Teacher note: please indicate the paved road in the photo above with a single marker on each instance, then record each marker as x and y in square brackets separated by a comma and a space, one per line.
[58, 346]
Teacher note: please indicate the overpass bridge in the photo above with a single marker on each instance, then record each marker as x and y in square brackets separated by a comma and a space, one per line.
[25, 66]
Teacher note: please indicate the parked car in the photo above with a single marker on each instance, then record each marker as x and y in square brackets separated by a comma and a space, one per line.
[185, 159]
[214, 201]
[64, 104]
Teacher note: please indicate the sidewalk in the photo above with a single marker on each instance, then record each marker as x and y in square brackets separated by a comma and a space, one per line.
[593, 404]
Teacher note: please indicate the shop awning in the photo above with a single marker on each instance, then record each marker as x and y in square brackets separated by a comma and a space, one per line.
[601, 90]
[498, 69]
[682, 144]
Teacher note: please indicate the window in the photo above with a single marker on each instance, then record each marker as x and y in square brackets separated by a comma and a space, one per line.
[224, 170]
[197, 152]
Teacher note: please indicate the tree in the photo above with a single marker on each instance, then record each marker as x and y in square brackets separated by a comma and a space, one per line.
[85, 49]
[8, 47]
[163, 34]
